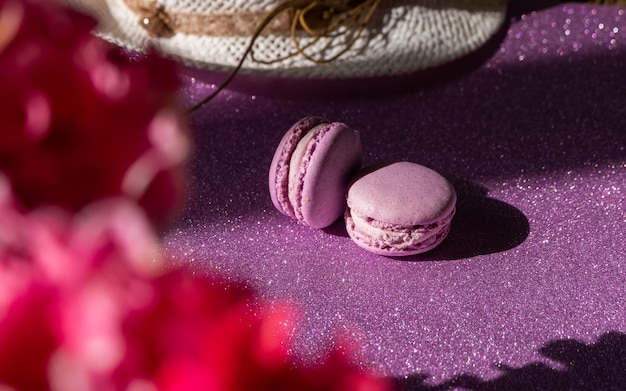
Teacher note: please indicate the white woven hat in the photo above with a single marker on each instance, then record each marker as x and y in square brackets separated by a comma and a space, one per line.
[402, 37]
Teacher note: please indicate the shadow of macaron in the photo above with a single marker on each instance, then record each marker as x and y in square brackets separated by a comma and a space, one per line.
[482, 225]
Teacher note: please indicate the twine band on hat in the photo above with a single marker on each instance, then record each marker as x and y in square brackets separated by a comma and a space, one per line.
[335, 15]
[327, 19]
[224, 24]
[243, 22]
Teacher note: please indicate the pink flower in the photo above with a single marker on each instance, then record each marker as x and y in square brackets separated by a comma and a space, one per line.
[80, 121]
[198, 334]
[67, 283]
[87, 135]
[96, 312]
[29, 337]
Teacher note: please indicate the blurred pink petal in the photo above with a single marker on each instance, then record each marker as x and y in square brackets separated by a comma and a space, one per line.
[11, 14]
[28, 338]
[82, 122]
[38, 116]
[90, 141]
[204, 334]
[96, 267]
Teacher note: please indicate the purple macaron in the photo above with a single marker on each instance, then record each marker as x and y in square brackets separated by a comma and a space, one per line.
[400, 209]
[311, 169]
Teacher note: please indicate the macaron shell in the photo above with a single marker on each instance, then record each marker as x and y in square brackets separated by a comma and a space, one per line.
[279, 168]
[402, 193]
[332, 156]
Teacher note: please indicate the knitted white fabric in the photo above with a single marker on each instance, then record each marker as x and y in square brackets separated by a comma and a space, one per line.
[406, 36]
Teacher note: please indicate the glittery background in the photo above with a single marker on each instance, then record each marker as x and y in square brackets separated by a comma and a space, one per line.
[529, 289]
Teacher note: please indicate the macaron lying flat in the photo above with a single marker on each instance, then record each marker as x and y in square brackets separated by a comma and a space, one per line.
[400, 209]
[311, 169]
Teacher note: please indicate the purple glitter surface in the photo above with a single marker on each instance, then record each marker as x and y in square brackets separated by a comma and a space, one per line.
[529, 289]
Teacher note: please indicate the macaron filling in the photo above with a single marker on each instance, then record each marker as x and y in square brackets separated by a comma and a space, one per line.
[298, 166]
[282, 180]
[383, 236]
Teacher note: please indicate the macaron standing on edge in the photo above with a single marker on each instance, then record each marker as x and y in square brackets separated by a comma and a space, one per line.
[400, 209]
[311, 170]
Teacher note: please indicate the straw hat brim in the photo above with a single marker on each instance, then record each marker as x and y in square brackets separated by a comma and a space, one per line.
[404, 37]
